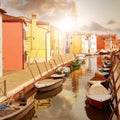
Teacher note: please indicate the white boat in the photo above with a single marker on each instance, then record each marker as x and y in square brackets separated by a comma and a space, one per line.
[57, 75]
[63, 69]
[48, 84]
[98, 96]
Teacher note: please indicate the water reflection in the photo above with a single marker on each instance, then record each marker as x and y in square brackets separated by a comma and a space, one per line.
[44, 99]
[69, 102]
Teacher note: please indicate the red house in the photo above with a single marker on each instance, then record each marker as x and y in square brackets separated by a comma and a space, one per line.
[100, 43]
[13, 43]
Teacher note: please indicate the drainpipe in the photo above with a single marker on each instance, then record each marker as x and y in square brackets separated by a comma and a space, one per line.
[46, 45]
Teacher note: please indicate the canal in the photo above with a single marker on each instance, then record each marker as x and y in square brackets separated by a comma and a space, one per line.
[68, 102]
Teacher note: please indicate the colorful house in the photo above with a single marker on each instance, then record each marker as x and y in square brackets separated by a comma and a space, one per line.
[1, 40]
[13, 42]
[37, 44]
[58, 41]
[100, 43]
[43, 40]
[84, 44]
[76, 43]
[92, 43]
[107, 42]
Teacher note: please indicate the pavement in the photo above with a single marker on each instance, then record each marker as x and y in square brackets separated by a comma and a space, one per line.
[17, 80]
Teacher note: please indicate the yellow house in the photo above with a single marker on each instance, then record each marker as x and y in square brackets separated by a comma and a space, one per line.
[57, 41]
[76, 43]
[37, 43]
[43, 40]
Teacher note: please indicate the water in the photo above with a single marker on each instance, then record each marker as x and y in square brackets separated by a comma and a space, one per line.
[68, 102]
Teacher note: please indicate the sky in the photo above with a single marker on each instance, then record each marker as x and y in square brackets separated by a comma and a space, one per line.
[96, 16]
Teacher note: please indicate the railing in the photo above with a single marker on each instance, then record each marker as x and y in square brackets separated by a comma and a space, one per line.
[3, 90]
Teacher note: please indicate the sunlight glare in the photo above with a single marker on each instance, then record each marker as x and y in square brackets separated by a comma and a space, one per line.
[65, 24]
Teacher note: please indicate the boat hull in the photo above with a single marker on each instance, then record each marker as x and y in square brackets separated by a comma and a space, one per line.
[48, 94]
[55, 85]
[57, 76]
[19, 114]
[98, 104]
[98, 96]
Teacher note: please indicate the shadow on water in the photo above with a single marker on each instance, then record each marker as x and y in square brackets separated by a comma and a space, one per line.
[68, 102]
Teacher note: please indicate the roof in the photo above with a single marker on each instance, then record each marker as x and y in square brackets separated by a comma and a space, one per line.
[2, 11]
[9, 18]
[42, 23]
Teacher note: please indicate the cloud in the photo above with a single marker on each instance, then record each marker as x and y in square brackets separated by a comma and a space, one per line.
[111, 22]
[94, 27]
[45, 9]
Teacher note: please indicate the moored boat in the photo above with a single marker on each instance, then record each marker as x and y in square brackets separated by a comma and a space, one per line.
[48, 94]
[63, 70]
[48, 84]
[76, 63]
[58, 75]
[15, 111]
[98, 79]
[98, 96]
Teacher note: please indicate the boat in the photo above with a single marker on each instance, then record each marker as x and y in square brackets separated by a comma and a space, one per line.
[76, 63]
[97, 79]
[48, 84]
[98, 96]
[96, 114]
[57, 75]
[63, 70]
[15, 111]
[48, 94]
[104, 70]
[102, 52]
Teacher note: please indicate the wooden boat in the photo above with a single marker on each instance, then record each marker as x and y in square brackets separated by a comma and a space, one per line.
[58, 75]
[48, 84]
[96, 114]
[63, 70]
[15, 111]
[76, 63]
[97, 79]
[98, 96]
[48, 94]
[104, 69]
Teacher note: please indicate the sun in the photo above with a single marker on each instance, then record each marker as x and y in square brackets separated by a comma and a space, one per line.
[65, 24]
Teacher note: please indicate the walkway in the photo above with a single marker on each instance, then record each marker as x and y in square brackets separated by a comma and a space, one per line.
[19, 80]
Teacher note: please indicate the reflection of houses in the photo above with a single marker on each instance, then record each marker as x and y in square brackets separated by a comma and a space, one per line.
[13, 43]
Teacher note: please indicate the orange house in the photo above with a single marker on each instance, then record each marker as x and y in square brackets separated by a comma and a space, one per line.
[103, 41]
[13, 43]
[100, 43]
